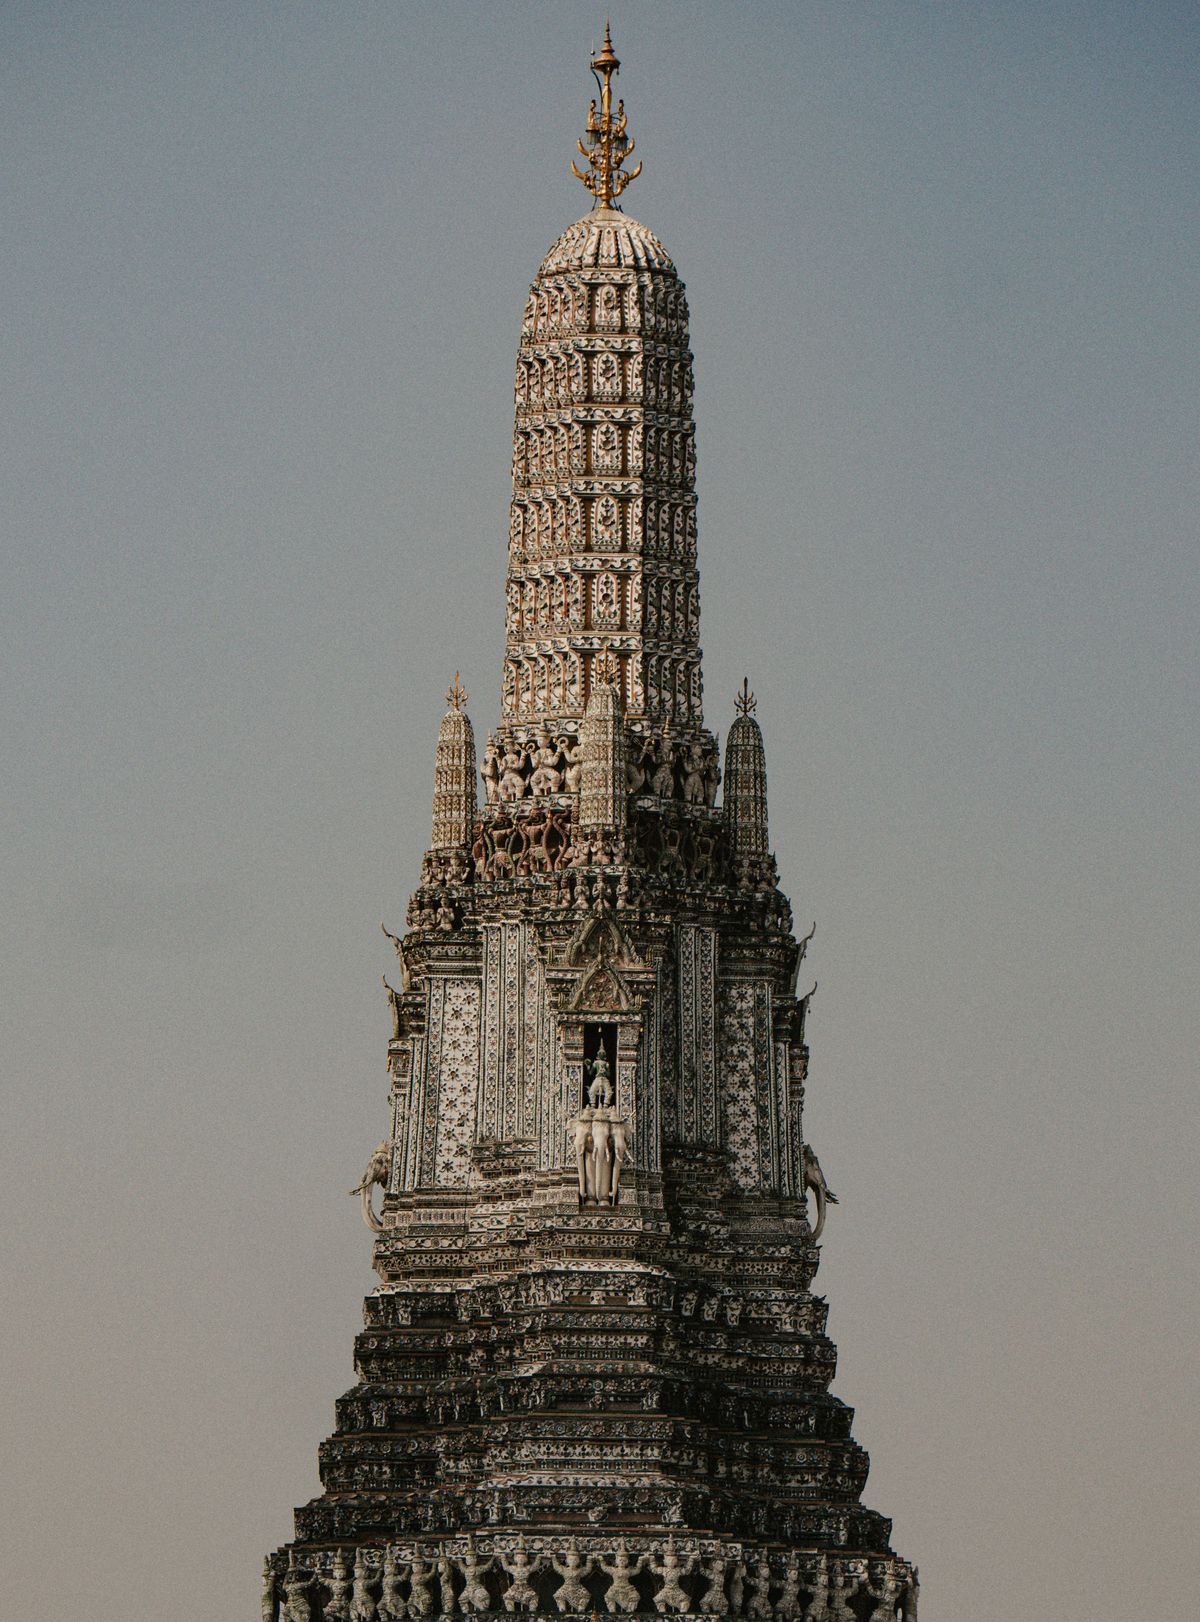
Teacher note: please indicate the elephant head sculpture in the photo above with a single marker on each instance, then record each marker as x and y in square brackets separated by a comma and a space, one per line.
[814, 1179]
[377, 1171]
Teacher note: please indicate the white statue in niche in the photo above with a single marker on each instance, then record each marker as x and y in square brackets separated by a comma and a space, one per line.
[600, 1092]
[490, 772]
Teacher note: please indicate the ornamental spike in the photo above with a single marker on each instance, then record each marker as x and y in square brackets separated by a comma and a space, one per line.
[456, 694]
[605, 142]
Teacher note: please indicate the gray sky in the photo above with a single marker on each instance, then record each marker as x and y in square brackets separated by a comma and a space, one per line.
[264, 267]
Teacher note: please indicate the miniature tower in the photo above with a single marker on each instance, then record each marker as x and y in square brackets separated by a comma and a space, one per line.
[746, 796]
[593, 1375]
[454, 776]
[603, 786]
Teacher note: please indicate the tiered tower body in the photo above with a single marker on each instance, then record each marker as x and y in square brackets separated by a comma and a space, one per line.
[593, 1376]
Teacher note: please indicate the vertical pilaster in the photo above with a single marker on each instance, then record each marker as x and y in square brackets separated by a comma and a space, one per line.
[696, 960]
[503, 1101]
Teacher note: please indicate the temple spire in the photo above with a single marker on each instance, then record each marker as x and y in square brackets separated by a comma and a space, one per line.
[602, 783]
[602, 527]
[593, 1187]
[454, 775]
[746, 796]
[607, 143]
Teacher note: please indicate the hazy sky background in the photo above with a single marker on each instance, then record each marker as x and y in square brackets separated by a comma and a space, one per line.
[264, 268]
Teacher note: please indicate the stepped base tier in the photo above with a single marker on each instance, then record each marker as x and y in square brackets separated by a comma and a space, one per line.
[593, 1376]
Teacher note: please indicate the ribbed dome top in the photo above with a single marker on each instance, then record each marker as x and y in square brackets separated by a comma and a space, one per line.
[606, 237]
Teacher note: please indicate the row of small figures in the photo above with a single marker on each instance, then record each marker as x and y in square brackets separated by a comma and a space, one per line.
[601, 892]
[811, 1588]
[512, 770]
[598, 893]
[548, 840]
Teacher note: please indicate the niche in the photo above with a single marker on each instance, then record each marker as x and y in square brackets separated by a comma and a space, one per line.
[597, 1040]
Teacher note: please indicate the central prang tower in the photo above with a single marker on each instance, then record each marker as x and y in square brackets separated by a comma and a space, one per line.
[593, 1375]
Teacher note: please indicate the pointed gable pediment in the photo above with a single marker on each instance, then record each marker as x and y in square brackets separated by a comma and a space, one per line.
[601, 937]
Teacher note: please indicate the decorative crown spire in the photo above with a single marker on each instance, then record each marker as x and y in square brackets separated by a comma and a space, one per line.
[603, 782]
[456, 694]
[608, 145]
[602, 527]
[746, 794]
[454, 775]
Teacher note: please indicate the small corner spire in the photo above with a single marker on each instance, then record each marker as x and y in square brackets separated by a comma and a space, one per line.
[746, 701]
[607, 142]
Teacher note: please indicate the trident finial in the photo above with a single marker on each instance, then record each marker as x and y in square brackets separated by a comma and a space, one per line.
[608, 145]
[746, 702]
[457, 694]
[606, 670]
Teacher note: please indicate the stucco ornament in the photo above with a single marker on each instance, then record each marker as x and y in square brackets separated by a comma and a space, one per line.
[338, 1587]
[269, 1610]
[622, 1596]
[572, 1595]
[520, 1595]
[672, 1568]
[475, 1596]
[376, 1174]
[420, 1576]
[392, 1607]
[362, 1602]
[814, 1182]
[296, 1583]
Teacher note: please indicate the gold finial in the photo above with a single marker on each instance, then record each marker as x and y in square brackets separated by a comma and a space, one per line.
[746, 702]
[607, 143]
[457, 694]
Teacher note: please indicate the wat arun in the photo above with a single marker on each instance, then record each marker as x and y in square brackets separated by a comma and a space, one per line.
[593, 1376]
